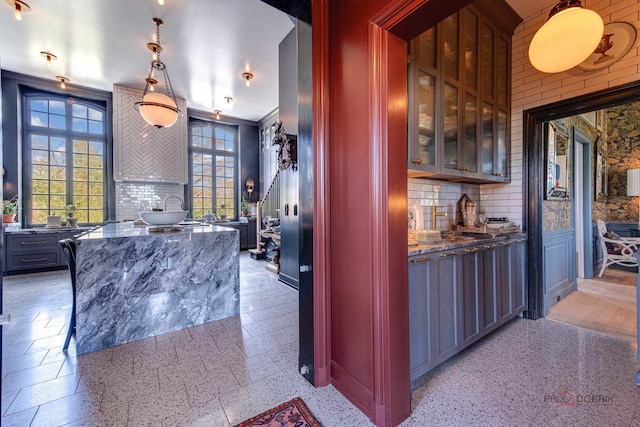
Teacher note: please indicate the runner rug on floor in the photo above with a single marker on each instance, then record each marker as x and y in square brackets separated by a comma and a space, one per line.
[293, 413]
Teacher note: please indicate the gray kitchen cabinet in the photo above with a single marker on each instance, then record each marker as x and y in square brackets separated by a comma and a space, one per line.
[518, 274]
[458, 296]
[490, 291]
[422, 285]
[35, 251]
[448, 306]
[459, 97]
[472, 296]
[434, 310]
[505, 286]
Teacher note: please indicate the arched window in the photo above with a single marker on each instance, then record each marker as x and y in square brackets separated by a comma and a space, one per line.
[64, 161]
[214, 159]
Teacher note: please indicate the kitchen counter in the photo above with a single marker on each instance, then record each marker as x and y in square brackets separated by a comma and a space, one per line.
[44, 230]
[132, 284]
[446, 245]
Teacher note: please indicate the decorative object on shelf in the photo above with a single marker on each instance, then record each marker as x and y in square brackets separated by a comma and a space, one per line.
[9, 210]
[617, 40]
[18, 8]
[569, 36]
[69, 211]
[244, 207]
[250, 185]
[222, 211]
[54, 221]
[50, 57]
[247, 77]
[557, 161]
[633, 186]
[156, 108]
[287, 155]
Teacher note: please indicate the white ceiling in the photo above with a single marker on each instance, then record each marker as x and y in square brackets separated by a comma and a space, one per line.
[207, 45]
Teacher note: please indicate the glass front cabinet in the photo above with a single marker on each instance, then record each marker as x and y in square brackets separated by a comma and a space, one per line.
[459, 97]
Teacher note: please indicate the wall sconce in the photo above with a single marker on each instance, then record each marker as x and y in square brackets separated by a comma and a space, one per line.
[569, 36]
[250, 185]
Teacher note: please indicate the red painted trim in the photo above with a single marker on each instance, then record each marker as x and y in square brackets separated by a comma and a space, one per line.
[321, 217]
[356, 392]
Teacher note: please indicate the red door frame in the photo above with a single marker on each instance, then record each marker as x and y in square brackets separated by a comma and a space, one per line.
[389, 29]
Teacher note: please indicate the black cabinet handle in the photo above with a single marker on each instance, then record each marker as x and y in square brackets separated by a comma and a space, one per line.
[39, 242]
[286, 209]
[34, 259]
[295, 210]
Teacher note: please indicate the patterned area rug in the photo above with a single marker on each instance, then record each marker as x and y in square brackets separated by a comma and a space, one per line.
[293, 413]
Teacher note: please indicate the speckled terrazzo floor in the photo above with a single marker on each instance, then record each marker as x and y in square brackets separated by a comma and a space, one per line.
[224, 372]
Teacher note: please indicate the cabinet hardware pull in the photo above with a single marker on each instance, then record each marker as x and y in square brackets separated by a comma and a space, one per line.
[416, 161]
[39, 242]
[419, 260]
[491, 246]
[447, 255]
[34, 259]
[471, 251]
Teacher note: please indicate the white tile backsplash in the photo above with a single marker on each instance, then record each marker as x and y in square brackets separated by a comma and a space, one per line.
[441, 193]
[129, 195]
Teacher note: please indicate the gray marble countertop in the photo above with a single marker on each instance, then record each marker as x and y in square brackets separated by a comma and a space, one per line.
[446, 245]
[127, 229]
[44, 230]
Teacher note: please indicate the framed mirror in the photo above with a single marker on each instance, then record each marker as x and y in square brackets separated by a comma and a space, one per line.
[557, 161]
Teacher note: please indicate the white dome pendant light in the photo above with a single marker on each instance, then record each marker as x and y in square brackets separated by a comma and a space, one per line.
[568, 37]
[156, 108]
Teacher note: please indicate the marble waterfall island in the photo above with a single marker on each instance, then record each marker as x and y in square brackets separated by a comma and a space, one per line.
[132, 284]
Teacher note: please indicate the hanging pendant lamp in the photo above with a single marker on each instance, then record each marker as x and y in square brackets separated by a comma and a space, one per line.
[568, 37]
[156, 108]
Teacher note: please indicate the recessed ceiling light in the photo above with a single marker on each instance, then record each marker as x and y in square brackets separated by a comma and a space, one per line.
[247, 77]
[63, 81]
[18, 7]
[49, 56]
[161, 2]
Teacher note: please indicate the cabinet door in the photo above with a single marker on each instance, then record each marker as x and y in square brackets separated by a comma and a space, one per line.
[447, 306]
[518, 275]
[471, 289]
[489, 288]
[421, 315]
[505, 287]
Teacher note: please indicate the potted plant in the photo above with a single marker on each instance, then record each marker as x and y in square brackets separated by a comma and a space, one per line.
[69, 210]
[244, 207]
[9, 210]
[222, 211]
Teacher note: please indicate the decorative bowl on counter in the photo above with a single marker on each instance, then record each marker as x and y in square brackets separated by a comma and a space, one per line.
[163, 217]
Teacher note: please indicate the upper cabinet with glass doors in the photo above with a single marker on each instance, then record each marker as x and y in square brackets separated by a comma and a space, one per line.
[459, 95]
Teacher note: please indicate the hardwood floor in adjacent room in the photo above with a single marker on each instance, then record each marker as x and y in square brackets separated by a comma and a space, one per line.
[606, 305]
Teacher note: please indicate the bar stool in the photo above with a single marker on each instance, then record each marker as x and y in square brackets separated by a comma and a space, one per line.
[69, 249]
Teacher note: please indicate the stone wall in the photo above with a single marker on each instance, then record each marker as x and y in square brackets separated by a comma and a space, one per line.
[622, 153]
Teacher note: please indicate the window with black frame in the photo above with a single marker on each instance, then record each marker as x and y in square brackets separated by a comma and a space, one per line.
[64, 150]
[213, 165]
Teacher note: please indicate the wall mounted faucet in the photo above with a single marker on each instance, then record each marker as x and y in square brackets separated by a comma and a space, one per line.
[435, 214]
[173, 197]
